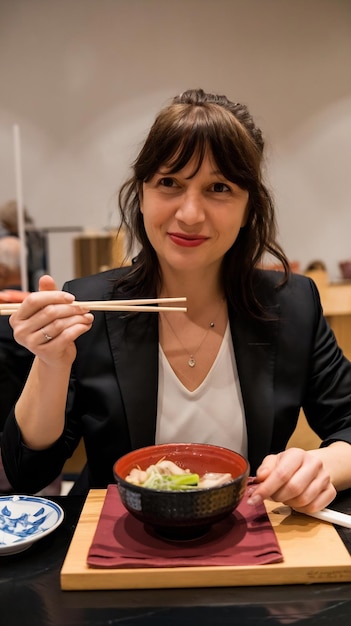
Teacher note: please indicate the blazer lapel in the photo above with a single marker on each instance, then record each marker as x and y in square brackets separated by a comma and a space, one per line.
[134, 345]
[254, 347]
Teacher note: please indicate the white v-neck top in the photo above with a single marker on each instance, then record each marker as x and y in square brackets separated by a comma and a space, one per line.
[212, 413]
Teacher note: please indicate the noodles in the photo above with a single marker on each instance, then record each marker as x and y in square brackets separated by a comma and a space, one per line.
[167, 476]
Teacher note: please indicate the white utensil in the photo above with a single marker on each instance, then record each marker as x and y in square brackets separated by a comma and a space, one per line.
[334, 517]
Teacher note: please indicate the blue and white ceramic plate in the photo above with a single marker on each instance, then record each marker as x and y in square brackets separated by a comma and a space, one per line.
[24, 520]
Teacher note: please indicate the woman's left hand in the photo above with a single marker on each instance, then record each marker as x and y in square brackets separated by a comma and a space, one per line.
[295, 477]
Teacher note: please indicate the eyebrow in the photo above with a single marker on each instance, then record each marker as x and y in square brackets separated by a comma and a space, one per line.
[217, 173]
[212, 172]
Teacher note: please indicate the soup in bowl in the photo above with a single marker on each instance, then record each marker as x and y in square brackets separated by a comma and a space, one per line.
[181, 489]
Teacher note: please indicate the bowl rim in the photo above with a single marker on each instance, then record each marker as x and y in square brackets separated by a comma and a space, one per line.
[140, 489]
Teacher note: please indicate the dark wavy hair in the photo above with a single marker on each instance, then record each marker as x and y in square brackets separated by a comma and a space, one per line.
[194, 123]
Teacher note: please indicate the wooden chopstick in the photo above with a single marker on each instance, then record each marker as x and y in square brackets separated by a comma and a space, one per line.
[129, 302]
[143, 305]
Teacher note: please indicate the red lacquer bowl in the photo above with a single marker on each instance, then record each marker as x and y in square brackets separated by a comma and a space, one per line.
[183, 514]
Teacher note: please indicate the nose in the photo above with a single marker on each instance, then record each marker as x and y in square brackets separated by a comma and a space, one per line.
[191, 208]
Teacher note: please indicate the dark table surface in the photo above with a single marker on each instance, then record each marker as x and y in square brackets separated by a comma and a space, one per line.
[30, 595]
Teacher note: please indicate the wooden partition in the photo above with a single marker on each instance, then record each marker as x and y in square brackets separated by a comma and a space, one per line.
[97, 251]
[336, 303]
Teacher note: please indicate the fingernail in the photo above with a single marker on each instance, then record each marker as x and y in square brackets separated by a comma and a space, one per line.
[254, 499]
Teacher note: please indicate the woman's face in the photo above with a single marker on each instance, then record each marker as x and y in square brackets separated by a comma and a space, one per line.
[192, 222]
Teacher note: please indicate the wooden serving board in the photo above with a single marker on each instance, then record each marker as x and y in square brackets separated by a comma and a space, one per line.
[313, 553]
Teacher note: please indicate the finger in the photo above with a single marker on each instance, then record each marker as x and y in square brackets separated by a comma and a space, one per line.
[47, 342]
[318, 493]
[59, 349]
[267, 466]
[53, 318]
[302, 486]
[299, 479]
[47, 283]
[274, 473]
[37, 301]
[50, 320]
[47, 337]
[69, 327]
[262, 473]
[322, 499]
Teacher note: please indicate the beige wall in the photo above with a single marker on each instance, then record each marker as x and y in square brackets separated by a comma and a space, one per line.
[84, 78]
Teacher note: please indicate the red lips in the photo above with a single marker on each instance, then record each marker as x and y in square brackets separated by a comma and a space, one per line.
[187, 241]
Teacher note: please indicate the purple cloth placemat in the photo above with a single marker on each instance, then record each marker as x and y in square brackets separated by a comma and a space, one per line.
[246, 537]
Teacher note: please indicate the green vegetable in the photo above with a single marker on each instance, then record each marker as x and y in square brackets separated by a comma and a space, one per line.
[179, 482]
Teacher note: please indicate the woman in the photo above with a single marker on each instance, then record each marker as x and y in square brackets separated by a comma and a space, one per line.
[234, 370]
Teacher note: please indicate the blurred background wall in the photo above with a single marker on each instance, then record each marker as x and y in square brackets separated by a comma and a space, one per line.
[83, 79]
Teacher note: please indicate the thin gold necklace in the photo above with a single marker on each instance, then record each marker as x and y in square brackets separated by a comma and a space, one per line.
[191, 359]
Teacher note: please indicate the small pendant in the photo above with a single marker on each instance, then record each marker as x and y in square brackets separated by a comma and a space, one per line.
[191, 362]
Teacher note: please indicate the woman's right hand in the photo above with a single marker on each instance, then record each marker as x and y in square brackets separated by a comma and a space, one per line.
[47, 324]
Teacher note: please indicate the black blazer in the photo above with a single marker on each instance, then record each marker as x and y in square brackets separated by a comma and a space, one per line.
[15, 363]
[289, 362]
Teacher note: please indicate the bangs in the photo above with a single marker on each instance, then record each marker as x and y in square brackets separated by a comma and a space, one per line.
[181, 140]
[182, 133]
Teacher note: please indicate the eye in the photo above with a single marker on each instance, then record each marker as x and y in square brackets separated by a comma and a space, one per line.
[166, 181]
[220, 187]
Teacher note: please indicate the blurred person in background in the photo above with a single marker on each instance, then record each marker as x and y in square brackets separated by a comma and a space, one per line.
[35, 241]
[15, 360]
[10, 263]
